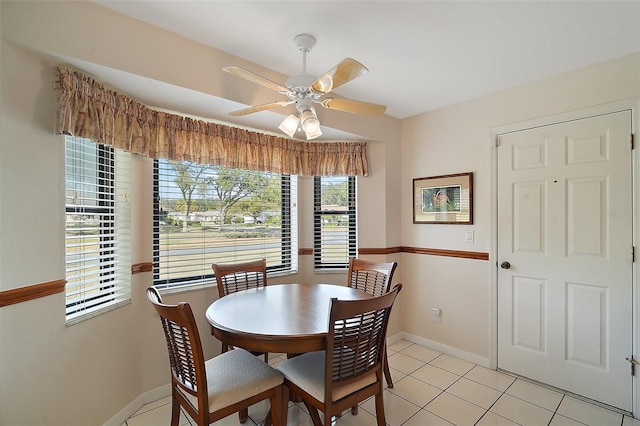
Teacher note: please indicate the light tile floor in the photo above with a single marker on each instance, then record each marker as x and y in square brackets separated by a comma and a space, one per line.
[432, 388]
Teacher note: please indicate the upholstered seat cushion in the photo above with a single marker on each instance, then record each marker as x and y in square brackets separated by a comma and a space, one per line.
[234, 376]
[307, 372]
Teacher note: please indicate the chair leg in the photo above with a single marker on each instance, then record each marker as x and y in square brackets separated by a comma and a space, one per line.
[279, 405]
[315, 417]
[380, 409]
[328, 419]
[387, 372]
[354, 410]
[175, 411]
[243, 415]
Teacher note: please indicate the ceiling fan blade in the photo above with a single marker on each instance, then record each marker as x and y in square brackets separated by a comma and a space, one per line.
[262, 107]
[355, 107]
[342, 73]
[255, 78]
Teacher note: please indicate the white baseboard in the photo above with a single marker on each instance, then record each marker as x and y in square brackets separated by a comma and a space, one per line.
[436, 346]
[136, 404]
[395, 338]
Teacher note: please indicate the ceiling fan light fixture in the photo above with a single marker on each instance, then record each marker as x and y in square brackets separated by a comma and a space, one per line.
[309, 121]
[313, 134]
[289, 125]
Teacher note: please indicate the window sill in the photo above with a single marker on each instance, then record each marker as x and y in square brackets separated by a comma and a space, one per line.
[76, 319]
[330, 271]
[184, 288]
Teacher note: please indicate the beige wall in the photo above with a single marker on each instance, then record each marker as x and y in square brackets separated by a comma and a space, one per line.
[455, 140]
[91, 372]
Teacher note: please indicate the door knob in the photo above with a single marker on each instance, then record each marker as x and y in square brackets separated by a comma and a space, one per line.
[505, 265]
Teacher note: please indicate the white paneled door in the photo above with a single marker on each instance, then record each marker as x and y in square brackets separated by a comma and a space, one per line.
[565, 256]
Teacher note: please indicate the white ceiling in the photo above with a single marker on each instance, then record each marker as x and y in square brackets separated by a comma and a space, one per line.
[421, 55]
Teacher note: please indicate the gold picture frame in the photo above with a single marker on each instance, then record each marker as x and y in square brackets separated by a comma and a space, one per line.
[446, 199]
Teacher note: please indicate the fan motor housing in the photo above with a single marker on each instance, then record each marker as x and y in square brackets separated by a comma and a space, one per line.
[300, 81]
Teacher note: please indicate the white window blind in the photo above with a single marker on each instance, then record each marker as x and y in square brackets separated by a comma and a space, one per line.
[205, 214]
[98, 228]
[334, 224]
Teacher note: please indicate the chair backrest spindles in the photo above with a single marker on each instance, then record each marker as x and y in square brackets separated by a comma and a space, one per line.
[235, 277]
[357, 331]
[373, 278]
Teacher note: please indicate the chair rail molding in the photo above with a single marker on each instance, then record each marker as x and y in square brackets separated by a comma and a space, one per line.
[23, 294]
[476, 255]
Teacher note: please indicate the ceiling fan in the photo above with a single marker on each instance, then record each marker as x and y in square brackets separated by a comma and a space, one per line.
[303, 90]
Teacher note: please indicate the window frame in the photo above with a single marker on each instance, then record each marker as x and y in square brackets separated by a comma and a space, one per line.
[113, 255]
[288, 242]
[318, 213]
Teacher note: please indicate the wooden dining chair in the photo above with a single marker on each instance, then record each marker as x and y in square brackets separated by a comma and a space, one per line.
[349, 371]
[373, 278]
[213, 389]
[233, 277]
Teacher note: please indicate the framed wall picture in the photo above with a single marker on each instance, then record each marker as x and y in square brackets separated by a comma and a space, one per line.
[443, 199]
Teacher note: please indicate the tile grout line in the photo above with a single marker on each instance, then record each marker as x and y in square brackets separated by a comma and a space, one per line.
[502, 393]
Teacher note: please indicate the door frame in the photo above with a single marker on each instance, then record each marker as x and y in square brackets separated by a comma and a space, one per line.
[632, 105]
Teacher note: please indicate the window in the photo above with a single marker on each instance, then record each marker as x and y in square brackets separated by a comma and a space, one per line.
[205, 214]
[97, 228]
[334, 224]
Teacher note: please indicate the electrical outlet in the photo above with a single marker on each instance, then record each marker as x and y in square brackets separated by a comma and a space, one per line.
[436, 314]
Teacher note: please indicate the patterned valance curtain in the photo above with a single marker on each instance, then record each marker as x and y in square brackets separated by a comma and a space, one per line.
[86, 108]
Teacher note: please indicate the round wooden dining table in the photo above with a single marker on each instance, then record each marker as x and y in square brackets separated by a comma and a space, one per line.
[278, 318]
